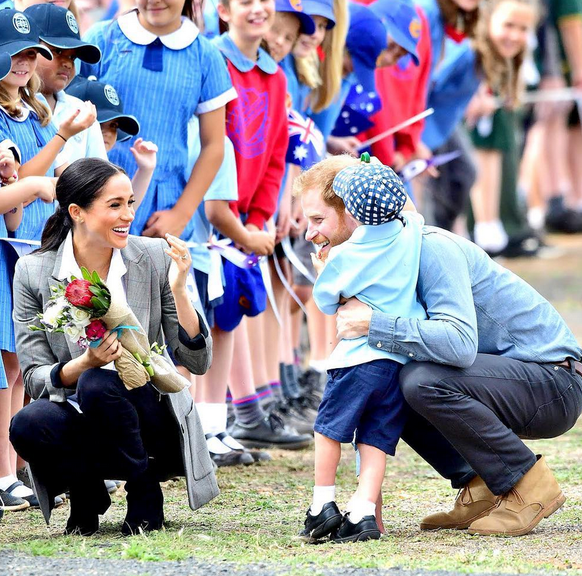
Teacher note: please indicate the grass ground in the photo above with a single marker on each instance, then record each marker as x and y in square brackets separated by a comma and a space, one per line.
[261, 508]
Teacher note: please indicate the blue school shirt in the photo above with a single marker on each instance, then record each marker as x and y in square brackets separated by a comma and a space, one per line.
[455, 83]
[30, 137]
[379, 266]
[436, 25]
[298, 91]
[327, 118]
[223, 187]
[163, 82]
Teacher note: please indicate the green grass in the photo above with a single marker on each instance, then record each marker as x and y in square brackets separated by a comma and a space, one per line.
[261, 508]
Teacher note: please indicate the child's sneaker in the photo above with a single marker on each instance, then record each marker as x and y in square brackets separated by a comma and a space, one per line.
[326, 522]
[365, 529]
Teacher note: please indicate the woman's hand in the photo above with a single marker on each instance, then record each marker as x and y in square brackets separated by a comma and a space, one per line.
[78, 121]
[181, 264]
[108, 351]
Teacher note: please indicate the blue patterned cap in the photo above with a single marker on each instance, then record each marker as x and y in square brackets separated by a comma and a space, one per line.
[373, 193]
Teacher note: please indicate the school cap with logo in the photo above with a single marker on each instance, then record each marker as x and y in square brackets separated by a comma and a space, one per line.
[108, 104]
[320, 8]
[295, 7]
[5, 64]
[18, 33]
[366, 39]
[401, 22]
[372, 193]
[58, 27]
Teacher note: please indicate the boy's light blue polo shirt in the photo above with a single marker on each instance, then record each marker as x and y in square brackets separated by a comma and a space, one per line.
[379, 266]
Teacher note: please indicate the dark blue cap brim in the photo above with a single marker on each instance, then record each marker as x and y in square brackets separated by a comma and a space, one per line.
[5, 64]
[123, 136]
[86, 52]
[14, 48]
[366, 75]
[401, 39]
[306, 23]
[125, 122]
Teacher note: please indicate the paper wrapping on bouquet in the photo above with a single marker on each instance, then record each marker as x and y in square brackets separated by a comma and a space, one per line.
[134, 340]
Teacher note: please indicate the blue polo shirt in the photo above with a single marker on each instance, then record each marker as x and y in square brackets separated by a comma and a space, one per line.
[379, 266]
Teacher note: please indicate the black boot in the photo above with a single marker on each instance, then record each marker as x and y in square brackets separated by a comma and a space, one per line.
[88, 499]
[145, 505]
[322, 524]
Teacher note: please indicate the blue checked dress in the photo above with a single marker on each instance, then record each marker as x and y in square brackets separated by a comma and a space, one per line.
[6, 326]
[163, 82]
[30, 137]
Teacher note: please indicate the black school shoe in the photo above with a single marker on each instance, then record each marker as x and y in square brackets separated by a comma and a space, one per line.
[322, 525]
[365, 529]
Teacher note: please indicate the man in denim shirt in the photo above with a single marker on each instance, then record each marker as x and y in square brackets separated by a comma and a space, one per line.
[494, 363]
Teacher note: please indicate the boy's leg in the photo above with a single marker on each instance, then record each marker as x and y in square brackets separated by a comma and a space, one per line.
[373, 467]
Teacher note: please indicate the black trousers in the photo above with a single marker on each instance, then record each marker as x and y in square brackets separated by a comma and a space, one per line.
[470, 421]
[120, 434]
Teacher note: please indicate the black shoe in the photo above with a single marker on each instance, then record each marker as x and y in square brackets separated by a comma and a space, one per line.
[232, 458]
[312, 382]
[523, 246]
[322, 525]
[256, 455]
[365, 529]
[85, 525]
[565, 220]
[11, 502]
[88, 499]
[270, 432]
[145, 505]
[293, 417]
[31, 499]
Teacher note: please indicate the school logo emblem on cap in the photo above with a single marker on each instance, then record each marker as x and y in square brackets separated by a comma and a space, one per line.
[111, 95]
[415, 28]
[297, 5]
[72, 22]
[21, 23]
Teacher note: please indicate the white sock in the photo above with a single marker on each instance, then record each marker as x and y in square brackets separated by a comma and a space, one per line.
[212, 416]
[232, 443]
[321, 495]
[215, 446]
[491, 236]
[359, 509]
[20, 491]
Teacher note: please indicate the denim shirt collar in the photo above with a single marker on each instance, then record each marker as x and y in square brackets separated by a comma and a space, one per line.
[243, 64]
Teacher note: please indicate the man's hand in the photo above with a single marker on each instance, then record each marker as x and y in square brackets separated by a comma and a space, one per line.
[353, 319]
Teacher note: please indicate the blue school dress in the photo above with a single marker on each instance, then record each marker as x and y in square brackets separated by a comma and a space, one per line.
[6, 327]
[30, 137]
[163, 82]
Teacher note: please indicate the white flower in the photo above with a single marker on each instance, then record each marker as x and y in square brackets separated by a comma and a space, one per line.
[75, 333]
[53, 312]
[80, 317]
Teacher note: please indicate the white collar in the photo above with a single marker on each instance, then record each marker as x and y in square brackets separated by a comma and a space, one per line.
[178, 40]
[25, 110]
[69, 266]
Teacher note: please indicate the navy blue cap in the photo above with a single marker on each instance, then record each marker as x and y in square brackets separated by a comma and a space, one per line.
[372, 193]
[59, 28]
[108, 104]
[306, 23]
[5, 64]
[18, 33]
[366, 39]
[246, 296]
[401, 22]
[320, 8]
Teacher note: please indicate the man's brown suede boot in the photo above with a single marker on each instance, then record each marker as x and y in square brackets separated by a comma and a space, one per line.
[474, 501]
[536, 496]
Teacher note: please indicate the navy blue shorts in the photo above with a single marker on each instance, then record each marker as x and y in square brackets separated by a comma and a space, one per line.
[365, 399]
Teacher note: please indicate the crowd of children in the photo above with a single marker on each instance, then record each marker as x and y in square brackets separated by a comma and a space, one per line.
[198, 102]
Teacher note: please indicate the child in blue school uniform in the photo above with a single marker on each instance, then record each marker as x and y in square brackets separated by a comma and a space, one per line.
[26, 121]
[379, 265]
[59, 32]
[166, 72]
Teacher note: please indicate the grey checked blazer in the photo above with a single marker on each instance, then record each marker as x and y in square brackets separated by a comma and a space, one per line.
[150, 298]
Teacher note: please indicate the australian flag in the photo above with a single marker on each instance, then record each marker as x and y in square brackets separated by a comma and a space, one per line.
[306, 145]
[357, 109]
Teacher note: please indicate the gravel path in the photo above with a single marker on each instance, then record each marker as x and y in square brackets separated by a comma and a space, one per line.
[12, 564]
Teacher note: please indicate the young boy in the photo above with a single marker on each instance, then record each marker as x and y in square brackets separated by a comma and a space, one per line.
[59, 31]
[378, 265]
[118, 127]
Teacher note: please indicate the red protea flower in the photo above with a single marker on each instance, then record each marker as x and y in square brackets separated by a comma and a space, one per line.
[96, 330]
[78, 293]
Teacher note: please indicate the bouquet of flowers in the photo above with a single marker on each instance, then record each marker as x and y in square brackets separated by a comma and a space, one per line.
[84, 310]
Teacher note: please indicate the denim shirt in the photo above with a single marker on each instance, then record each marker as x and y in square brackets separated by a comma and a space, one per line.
[474, 305]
